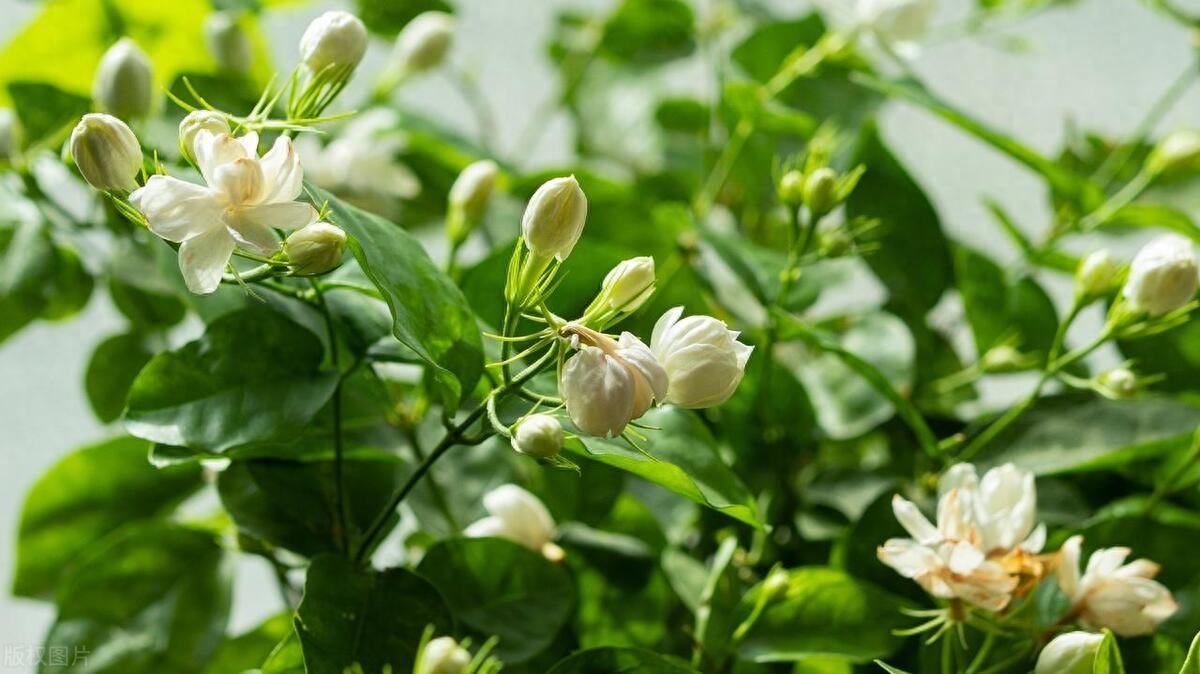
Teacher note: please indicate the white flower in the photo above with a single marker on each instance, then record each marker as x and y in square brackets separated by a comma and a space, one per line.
[1004, 507]
[245, 197]
[538, 435]
[423, 43]
[1070, 653]
[900, 22]
[1096, 274]
[124, 84]
[443, 655]
[1163, 276]
[361, 160]
[554, 218]
[316, 248]
[702, 357]
[609, 383]
[196, 121]
[227, 42]
[518, 516]
[1125, 598]
[335, 39]
[106, 152]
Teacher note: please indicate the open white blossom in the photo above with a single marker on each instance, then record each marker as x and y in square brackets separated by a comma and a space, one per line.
[609, 383]
[516, 515]
[444, 655]
[1070, 653]
[245, 196]
[702, 356]
[984, 535]
[1125, 598]
[1163, 276]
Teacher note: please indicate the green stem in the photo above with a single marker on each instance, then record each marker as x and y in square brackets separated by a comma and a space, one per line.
[339, 498]
[1125, 196]
[981, 656]
[1168, 487]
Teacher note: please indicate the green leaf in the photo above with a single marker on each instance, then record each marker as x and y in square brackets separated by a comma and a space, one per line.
[998, 307]
[621, 609]
[431, 316]
[144, 308]
[373, 618]
[84, 497]
[498, 588]
[45, 110]
[110, 372]
[1192, 664]
[1067, 434]
[890, 669]
[1108, 657]
[682, 457]
[648, 31]
[909, 230]
[1174, 353]
[38, 278]
[387, 17]
[824, 612]
[1154, 216]
[248, 650]
[624, 660]
[154, 599]
[254, 376]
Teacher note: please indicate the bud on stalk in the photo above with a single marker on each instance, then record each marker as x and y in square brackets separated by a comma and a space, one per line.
[335, 39]
[423, 43]
[106, 153]
[1179, 152]
[228, 43]
[1070, 653]
[821, 191]
[443, 655]
[1119, 383]
[1096, 275]
[468, 200]
[315, 249]
[538, 435]
[195, 122]
[625, 289]
[1163, 276]
[550, 228]
[124, 84]
[791, 187]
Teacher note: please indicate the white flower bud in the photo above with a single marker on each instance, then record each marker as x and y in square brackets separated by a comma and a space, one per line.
[227, 42]
[609, 383]
[316, 248]
[1163, 276]
[195, 122]
[1096, 274]
[1070, 653]
[423, 43]
[702, 357]
[554, 218]
[469, 198]
[518, 516]
[1118, 383]
[443, 655]
[1179, 151]
[903, 22]
[335, 39]
[538, 435]
[124, 84]
[629, 284]
[8, 135]
[106, 152]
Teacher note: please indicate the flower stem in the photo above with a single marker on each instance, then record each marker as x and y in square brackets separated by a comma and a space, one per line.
[339, 499]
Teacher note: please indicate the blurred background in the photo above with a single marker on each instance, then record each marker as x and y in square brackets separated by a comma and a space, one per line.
[1095, 64]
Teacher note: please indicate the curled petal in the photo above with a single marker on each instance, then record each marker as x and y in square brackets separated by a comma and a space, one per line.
[909, 558]
[282, 172]
[213, 150]
[1068, 567]
[915, 523]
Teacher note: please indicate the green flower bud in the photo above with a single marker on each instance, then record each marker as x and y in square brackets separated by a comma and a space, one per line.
[106, 153]
[538, 435]
[1178, 152]
[821, 191]
[443, 655]
[1004, 358]
[195, 122]
[228, 43]
[423, 43]
[791, 187]
[1096, 274]
[1118, 383]
[776, 584]
[469, 197]
[315, 249]
[124, 84]
[833, 239]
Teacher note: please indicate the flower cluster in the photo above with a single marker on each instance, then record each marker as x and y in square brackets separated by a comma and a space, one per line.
[985, 552]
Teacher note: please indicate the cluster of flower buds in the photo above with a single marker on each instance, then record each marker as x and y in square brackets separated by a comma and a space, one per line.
[985, 549]
[1158, 288]
[330, 50]
[815, 185]
[124, 83]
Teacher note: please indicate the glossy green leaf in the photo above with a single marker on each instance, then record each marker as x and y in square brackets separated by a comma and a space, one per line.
[373, 618]
[83, 498]
[824, 612]
[154, 599]
[431, 315]
[683, 457]
[111, 370]
[39, 278]
[1069, 434]
[254, 376]
[1001, 308]
[495, 587]
[624, 660]
[1108, 657]
[648, 31]
[1175, 354]
[146, 308]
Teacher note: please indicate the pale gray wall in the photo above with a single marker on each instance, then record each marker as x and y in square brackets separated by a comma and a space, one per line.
[1100, 63]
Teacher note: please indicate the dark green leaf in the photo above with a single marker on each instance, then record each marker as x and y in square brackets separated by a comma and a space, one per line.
[254, 376]
[1174, 353]
[623, 660]
[373, 618]
[249, 650]
[998, 307]
[113, 366]
[431, 316]
[648, 31]
[498, 588]
[45, 110]
[84, 497]
[144, 308]
[387, 17]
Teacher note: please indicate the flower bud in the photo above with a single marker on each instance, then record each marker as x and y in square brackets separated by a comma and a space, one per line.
[1178, 152]
[1163, 276]
[791, 187]
[1096, 274]
[124, 84]
[315, 249]
[227, 42]
[443, 655]
[702, 357]
[518, 516]
[608, 384]
[8, 135]
[1005, 358]
[469, 198]
[106, 152]
[834, 239]
[1118, 383]
[335, 39]
[195, 122]
[821, 191]
[1070, 653]
[538, 435]
[776, 584]
[554, 218]
[423, 43]
[628, 285]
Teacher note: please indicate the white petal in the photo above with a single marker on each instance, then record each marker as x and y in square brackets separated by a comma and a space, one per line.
[959, 476]
[213, 150]
[241, 181]
[249, 143]
[488, 527]
[1036, 540]
[661, 327]
[202, 260]
[915, 523]
[908, 558]
[176, 210]
[964, 558]
[1068, 567]
[1105, 561]
[282, 172]
[523, 515]
[254, 237]
[638, 355]
[284, 215]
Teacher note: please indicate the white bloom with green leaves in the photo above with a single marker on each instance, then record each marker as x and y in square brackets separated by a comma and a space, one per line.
[519, 516]
[1124, 597]
[609, 383]
[703, 358]
[1163, 276]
